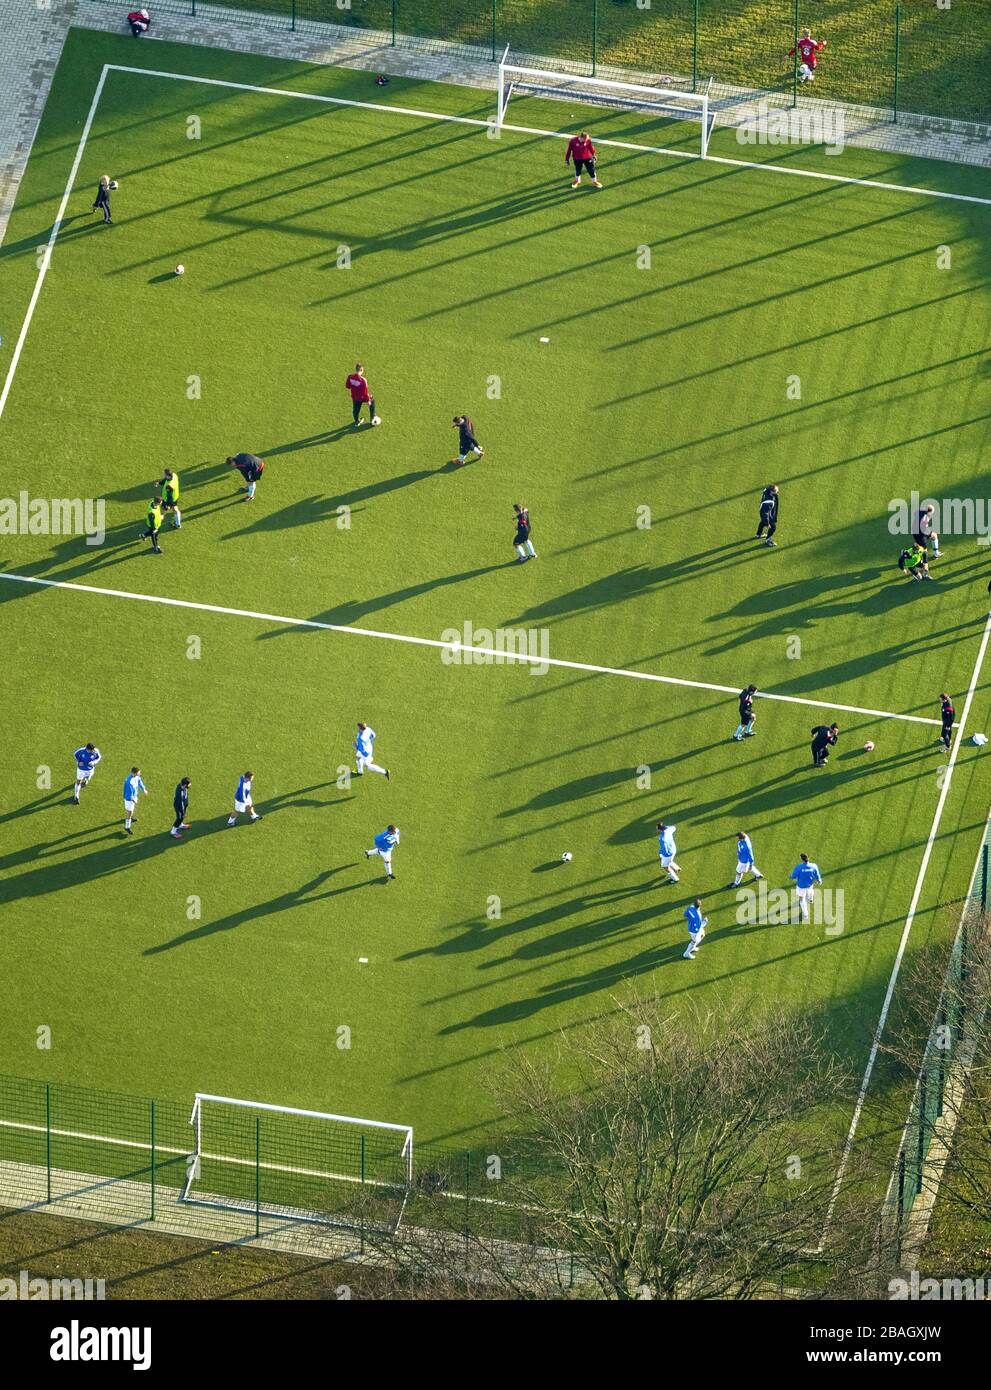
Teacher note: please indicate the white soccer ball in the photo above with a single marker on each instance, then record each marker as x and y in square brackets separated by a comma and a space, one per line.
[868, 747]
[980, 740]
[376, 419]
[180, 270]
[566, 856]
[114, 184]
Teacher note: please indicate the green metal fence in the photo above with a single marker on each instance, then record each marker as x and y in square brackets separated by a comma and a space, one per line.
[949, 1026]
[107, 1156]
[911, 57]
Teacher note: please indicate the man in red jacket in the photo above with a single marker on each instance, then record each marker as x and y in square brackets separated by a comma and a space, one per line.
[580, 148]
[360, 395]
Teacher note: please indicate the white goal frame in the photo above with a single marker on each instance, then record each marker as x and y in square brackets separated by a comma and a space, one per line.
[194, 1159]
[634, 96]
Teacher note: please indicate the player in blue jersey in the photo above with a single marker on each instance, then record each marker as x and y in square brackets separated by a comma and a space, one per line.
[86, 758]
[133, 785]
[242, 799]
[385, 842]
[666, 850]
[696, 928]
[363, 751]
[744, 859]
[806, 876]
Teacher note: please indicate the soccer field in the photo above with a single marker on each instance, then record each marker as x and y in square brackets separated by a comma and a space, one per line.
[782, 328]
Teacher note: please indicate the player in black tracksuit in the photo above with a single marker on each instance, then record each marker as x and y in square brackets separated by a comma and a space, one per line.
[768, 514]
[180, 803]
[522, 541]
[947, 714]
[745, 728]
[822, 740]
[102, 200]
[467, 443]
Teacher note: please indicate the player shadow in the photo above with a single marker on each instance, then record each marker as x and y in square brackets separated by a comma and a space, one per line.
[310, 511]
[346, 614]
[329, 436]
[593, 784]
[302, 896]
[50, 801]
[300, 799]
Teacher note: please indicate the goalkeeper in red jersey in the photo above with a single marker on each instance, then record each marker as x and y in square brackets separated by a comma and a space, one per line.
[582, 151]
[808, 55]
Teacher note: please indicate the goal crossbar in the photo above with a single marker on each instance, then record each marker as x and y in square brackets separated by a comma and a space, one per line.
[305, 1158]
[600, 91]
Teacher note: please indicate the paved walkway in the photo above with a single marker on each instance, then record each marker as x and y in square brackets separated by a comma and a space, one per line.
[33, 39]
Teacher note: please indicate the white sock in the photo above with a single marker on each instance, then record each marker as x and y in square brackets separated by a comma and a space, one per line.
[529, 546]
[178, 517]
[520, 552]
[739, 731]
[374, 767]
[127, 822]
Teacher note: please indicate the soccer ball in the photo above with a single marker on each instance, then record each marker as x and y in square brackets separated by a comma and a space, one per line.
[376, 419]
[180, 270]
[566, 856]
[868, 747]
[980, 740]
[114, 184]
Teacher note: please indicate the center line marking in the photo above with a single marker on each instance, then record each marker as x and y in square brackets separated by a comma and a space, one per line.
[501, 656]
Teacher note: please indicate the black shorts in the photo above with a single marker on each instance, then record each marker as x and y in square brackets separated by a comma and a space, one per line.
[582, 164]
[169, 505]
[521, 537]
[922, 541]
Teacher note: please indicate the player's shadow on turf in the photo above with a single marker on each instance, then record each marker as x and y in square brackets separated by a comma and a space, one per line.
[49, 802]
[310, 511]
[314, 440]
[590, 785]
[345, 614]
[195, 476]
[298, 799]
[283, 902]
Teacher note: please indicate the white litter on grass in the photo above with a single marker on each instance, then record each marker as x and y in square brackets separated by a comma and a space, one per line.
[545, 340]
[362, 960]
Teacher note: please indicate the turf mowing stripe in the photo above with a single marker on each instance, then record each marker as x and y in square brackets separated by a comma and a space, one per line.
[500, 656]
[552, 134]
[46, 258]
[909, 920]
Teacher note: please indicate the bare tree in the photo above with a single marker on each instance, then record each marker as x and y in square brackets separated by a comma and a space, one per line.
[654, 1155]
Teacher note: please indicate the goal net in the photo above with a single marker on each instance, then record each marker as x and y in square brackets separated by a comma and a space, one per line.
[301, 1165]
[660, 102]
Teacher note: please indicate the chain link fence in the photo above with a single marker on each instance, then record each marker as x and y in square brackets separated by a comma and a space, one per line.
[921, 56]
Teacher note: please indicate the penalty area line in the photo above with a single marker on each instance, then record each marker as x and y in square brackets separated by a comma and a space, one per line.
[501, 656]
[906, 930]
[494, 123]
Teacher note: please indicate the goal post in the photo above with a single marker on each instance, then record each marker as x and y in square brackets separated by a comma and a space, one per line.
[300, 1165]
[665, 103]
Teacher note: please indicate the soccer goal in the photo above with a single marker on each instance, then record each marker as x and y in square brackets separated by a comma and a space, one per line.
[666, 103]
[299, 1165]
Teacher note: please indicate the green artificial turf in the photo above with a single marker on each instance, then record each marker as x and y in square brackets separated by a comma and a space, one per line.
[664, 388]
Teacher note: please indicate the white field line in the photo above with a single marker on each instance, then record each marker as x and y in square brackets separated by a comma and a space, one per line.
[967, 905]
[909, 920]
[47, 256]
[498, 656]
[492, 123]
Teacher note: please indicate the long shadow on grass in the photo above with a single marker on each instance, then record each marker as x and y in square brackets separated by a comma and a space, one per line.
[302, 896]
[346, 614]
[310, 511]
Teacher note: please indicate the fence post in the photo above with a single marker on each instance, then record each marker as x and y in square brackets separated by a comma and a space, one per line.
[794, 70]
[258, 1176]
[293, 12]
[48, 1142]
[984, 878]
[595, 35]
[495, 8]
[695, 44]
[921, 1146]
[894, 107]
[394, 23]
[152, 1160]
[901, 1203]
[194, 9]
